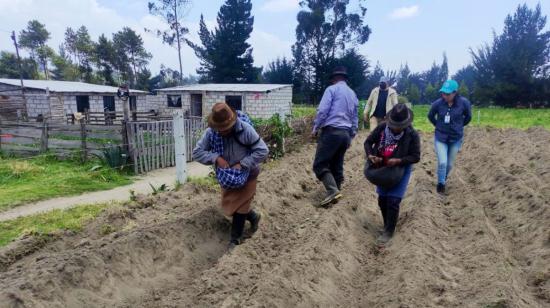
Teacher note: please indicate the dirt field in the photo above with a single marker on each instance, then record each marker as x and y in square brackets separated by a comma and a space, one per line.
[487, 244]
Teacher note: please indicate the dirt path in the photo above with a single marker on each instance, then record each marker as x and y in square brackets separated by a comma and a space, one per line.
[486, 244]
[141, 185]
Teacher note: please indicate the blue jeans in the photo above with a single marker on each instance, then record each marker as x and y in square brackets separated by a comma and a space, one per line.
[446, 156]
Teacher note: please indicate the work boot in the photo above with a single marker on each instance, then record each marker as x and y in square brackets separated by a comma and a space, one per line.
[339, 185]
[237, 228]
[392, 215]
[254, 218]
[333, 193]
[382, 206]
[441, 188]
[384, 238]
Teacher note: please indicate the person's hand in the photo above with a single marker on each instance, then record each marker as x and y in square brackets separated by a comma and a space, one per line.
[222, 163]
[237, 166]
[375, 159]
[393, 162]
[314, 134]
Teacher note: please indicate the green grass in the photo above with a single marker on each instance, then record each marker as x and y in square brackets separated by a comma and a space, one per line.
[206, 181]
[76, 138]
[495, 117]
[299, 111]
[43, 177]
[45, 223]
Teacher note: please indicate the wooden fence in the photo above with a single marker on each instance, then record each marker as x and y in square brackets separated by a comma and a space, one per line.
[115, 117]
[27, 138]
[152, 144]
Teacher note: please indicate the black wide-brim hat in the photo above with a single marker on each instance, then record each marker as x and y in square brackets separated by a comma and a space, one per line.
[339, 70]
[400, 116]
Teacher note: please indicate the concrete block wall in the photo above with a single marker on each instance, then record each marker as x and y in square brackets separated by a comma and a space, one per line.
[160, 102]
[256, 104]
[265, 105]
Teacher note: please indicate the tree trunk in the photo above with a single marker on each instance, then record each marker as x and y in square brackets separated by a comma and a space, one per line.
[178, 38]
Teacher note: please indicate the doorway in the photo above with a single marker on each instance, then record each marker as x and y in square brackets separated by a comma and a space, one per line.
[196, 105]
[234, 101]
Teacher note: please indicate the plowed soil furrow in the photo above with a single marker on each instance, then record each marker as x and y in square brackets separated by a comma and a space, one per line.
[485, 244]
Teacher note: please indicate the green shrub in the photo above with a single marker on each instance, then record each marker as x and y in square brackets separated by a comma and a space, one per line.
[115, 157]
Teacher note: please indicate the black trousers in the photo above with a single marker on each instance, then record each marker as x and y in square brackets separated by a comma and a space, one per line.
[331, 149]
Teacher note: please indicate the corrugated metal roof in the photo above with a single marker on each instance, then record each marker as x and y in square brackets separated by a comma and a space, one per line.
[64, 86]
[227, 87]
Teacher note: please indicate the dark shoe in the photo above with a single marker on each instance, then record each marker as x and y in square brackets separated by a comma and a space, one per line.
[339, 185]
[333, 193]
[384, 238]
[237, 228]
[232, 245]
[254, 218]
[392, 214]
[383, 210]
[441, 188]
[330, 199]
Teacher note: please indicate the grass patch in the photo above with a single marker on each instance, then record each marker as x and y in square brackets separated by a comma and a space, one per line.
[43, 177]
[78, 138]
[300, 111]
[206, 181]
[494, 117]
[72, 219]
[481, 116]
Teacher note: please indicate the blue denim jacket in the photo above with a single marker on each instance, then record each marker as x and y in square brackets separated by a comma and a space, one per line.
[460, 115]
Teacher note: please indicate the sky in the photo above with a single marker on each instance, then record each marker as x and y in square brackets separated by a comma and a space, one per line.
[416, 32]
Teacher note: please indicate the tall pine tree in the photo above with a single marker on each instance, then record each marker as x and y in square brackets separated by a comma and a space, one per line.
[225, 55]
[507, 72]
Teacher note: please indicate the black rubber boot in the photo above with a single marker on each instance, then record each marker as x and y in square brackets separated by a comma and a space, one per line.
[392, 215]
[237, 228]
[441, 188]
[254, 218]
[333, 193]
[383, 209]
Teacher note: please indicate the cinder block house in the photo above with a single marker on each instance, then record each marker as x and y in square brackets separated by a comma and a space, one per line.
[54, 99]
[258, 100]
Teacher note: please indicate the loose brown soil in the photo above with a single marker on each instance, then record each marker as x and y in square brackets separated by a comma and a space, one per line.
[486, 244]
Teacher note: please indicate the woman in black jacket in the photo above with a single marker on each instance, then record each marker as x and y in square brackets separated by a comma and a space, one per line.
[393, 143]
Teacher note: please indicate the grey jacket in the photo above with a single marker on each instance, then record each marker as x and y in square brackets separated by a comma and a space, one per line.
[233, 152]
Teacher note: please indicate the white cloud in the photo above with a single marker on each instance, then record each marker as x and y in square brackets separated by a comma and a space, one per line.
[281, 5]
[57, 15]
[405, 12]
[267, 47]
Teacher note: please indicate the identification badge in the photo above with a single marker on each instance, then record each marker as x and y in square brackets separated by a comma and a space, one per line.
[447, 118]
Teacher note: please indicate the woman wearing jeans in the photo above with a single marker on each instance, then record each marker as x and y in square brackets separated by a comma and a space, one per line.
[449, 114]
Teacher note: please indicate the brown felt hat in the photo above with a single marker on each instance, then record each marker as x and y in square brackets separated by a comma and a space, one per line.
[222, 117]
[400, 116]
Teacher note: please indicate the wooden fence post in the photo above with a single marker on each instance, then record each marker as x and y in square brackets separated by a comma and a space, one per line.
[180, 147]
[84, 152]
[44, 137]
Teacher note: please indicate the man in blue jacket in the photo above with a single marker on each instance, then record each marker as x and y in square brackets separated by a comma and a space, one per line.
[337, 121]
[449, 114]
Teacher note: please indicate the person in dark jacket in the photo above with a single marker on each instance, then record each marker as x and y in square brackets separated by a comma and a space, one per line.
[237, 151]
[449, 114]
[394, 143]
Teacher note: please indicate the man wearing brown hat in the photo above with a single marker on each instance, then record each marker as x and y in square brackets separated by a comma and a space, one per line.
[337, 121]
[236, 150]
